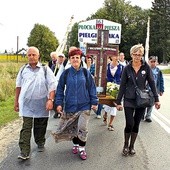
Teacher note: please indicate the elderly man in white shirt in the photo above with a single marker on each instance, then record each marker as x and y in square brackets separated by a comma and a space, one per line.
[35, 90]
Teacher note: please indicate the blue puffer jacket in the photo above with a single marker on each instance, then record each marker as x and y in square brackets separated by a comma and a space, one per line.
[78, 95]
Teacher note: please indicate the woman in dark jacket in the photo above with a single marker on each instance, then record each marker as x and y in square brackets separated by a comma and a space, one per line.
[142, 73]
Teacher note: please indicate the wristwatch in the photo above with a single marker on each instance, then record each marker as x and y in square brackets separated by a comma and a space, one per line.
[51, 100]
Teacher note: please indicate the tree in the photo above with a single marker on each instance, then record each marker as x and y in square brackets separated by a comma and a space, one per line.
[133, 20]
[44, 39]
[160, 30]
[73, 36]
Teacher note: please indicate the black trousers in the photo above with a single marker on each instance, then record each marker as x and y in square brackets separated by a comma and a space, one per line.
[133, 117]
[39, 126]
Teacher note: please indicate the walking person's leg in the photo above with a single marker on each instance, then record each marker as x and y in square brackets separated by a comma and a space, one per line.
[137, 119]
[113, 112]
[128, 129]
[99, 109]
[40, 127]
[148, 114]
[25, 137]
[83, 132]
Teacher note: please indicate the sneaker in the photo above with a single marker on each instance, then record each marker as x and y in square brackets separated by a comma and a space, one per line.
[75, 149]
[148, 120]
[110, 128]
[23, 156]
[83, 155]
[99, 117]
[41, 148]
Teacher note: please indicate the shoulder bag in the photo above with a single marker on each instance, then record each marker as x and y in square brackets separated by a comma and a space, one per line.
[144, 98]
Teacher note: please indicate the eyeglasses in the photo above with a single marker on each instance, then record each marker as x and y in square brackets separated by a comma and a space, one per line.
[139, 55]
[75, 58]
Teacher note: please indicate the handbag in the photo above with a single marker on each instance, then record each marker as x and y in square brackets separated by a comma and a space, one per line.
[144, 98]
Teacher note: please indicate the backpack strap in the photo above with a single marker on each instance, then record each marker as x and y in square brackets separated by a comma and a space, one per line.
[23, 67]
[65, 62]
[44, 68]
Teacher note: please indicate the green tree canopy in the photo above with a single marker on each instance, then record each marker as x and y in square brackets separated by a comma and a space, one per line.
[44, 39]
[160, 30]
[73, 36]
[133, 20]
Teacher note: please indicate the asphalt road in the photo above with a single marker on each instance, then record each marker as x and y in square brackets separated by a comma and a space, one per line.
[104, 147]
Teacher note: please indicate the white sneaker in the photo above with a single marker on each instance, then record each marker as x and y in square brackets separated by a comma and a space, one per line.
[99, 117]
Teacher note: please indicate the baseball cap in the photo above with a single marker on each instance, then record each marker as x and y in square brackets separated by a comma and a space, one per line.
[61, 55]
[153, 58]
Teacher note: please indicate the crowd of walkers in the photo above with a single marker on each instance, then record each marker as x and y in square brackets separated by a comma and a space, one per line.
[67, 86]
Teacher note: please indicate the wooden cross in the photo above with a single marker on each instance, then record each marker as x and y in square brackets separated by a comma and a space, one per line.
[102, 50]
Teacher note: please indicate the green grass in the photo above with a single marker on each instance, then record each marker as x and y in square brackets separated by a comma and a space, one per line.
[167, 71]
[7, 113]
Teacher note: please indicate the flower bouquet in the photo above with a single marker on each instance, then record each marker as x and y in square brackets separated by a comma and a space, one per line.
[112, 89]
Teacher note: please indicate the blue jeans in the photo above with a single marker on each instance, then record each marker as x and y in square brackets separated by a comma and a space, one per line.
[148, 112]
[100, 107]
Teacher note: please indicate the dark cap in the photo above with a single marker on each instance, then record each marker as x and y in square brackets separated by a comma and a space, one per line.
[153, 58]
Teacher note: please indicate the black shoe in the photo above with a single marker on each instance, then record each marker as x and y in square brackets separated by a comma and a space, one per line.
[23, 156]
[41, 148]
[132, 151]
[148, 120]
[125, 151]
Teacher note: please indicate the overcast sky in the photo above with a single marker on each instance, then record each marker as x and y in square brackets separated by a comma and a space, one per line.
[17, 17]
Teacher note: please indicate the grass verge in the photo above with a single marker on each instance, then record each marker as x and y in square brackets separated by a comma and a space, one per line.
[167, 71]
[7, 113]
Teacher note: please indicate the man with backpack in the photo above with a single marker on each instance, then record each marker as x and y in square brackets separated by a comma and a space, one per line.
[34, 96]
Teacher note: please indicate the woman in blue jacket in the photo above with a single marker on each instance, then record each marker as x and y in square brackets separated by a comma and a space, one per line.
[76, 91]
